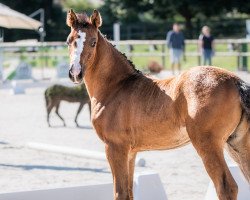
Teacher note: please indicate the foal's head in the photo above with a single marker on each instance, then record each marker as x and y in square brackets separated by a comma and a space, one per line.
[82, 42]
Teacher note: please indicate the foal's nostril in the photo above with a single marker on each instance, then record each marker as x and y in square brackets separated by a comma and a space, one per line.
[70, 75]
[80, 75]
[76, 78]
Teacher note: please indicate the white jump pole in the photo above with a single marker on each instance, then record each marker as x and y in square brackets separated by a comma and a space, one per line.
[87, 192]
[76, 152]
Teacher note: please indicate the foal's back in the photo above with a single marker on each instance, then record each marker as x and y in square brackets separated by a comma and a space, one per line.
[157, 113]
[71, 94]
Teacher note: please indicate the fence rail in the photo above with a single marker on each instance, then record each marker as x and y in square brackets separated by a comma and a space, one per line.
[122, 42]
[47, 50]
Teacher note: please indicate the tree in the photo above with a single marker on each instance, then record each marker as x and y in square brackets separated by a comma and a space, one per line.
[78, 6]
[128, 10]
[125, 11]
[188, 9]
[241, 6]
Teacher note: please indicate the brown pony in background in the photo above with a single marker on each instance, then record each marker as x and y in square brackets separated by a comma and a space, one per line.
[131, 112]
[57, 93]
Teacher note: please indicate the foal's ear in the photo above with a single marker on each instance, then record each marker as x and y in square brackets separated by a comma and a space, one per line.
[96, 19]
[71, 18]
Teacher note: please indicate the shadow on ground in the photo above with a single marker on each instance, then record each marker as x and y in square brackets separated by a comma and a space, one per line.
[56, 168]
[4, 143]
[71, 127]
[85, 127]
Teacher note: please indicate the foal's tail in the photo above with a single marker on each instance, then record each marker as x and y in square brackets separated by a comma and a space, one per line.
[46, 96]
[244, 90]
[239, 141]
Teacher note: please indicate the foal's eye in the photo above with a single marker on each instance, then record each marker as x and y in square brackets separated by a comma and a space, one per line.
[68, 43]
[93, 44]
[69, 40]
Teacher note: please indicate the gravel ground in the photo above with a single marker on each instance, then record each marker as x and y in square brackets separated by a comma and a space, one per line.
[23, 120]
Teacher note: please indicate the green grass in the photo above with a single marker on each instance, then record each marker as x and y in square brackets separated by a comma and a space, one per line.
[11, 75]
[229, 63]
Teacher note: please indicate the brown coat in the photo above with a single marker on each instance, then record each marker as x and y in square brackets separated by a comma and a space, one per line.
[131, 112]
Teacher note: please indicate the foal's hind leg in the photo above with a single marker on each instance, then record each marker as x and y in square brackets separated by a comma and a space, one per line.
[78, 111]
[89, 104]
[210, 150]
[238, 146]
[49, 108]
[57, 112]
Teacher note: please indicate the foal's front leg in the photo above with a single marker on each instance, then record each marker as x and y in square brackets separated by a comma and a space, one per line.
[117, 156]
[78, 111]
[131, 160]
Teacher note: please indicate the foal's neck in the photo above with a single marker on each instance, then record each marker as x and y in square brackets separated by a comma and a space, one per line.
[107, 70]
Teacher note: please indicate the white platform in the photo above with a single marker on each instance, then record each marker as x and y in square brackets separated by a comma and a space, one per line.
[17, 88]
[90, 192]
[147, 186]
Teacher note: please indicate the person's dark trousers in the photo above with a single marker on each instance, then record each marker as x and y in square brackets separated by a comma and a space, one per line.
[207, 56]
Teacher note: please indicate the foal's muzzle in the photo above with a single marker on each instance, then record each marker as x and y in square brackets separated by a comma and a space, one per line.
[75, 75]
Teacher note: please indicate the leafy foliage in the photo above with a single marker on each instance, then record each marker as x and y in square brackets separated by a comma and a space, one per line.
[187, 10]
[126, 12]
[78, 6]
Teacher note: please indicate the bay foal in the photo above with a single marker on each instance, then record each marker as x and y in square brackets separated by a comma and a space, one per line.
[57, 93]
[131, 112]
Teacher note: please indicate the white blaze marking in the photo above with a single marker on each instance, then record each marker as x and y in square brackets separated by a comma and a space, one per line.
[77, 53]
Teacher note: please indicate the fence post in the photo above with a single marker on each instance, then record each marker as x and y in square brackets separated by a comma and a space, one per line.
[199, 58]
[198, 55]
[128, 51]
[116, 34]
[244, 58]
[163, 58]
[46, 57]
[1, 55]
[238, 58]
[42, 46]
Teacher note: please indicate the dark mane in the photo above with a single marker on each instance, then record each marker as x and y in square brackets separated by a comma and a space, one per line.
[123, 55]
[126, 58]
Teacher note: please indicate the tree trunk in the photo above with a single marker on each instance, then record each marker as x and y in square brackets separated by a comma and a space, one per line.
[188, 27]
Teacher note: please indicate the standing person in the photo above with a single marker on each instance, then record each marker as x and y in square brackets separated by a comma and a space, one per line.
[176, 45]
[206, 44]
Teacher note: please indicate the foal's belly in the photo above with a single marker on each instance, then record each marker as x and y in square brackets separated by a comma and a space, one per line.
[162, 139]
